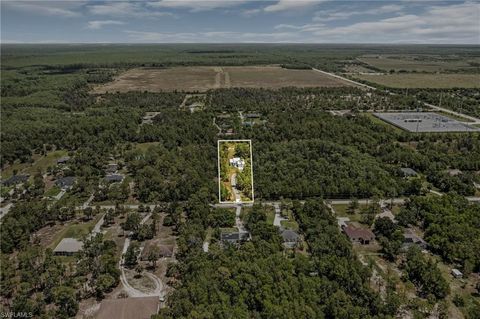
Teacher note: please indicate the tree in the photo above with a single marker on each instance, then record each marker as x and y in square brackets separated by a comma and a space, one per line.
[153, 255]
[131, 255]
[66, 300]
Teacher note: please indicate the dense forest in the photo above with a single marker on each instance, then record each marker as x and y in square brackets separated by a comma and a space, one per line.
[256, 280]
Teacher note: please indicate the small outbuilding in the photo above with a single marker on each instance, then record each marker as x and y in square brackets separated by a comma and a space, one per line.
[410, 239]
[68, 247]
[457, 273]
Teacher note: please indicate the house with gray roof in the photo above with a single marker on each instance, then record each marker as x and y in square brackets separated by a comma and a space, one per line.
[290, 238]
[68, 247]
[65, 182]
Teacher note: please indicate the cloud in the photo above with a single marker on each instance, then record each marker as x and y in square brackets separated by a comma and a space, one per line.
[126, 9]
[343, 12]
[453, 23]
[196, 5]
[283, 5]
[48, 8]
[98, 24]
[212, 37]
[303, 28]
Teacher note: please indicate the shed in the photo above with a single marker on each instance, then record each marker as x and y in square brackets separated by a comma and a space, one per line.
[128, 308]
[68, 247]
[410, 238]
[456, 273]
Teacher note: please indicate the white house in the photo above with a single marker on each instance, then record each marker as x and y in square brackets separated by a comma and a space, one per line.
[238, 163]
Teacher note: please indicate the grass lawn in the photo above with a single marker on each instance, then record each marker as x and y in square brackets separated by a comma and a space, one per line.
[289, 224]
[40, 163]
[341, 210]
[424, 80]
[53, 191]
[75, 230]
[145, 146]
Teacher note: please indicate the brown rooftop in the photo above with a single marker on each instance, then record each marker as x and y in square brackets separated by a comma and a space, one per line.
[128, 308]
[358, 233]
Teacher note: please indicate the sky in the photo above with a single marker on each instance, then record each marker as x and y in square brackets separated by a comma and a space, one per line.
[240, 21]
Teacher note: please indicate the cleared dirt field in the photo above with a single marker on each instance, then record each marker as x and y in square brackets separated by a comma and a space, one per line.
[418, 63]
[200, 79]
[276, 77]
[439, 81]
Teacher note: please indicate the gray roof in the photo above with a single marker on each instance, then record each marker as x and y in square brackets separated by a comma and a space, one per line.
[114, 178]
[234, 237]
[66, 181]
[15, 179]
[63, 159]
[289, 235]
[68, 245]
[407, 171]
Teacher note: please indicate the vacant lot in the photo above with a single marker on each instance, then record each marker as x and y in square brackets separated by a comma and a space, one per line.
[200, 79]
[440, 81]
[419, 63]
[276, 77]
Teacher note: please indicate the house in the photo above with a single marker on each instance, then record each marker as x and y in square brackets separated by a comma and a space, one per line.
[234, 237]
[129, 308]
[65, 182]
[410, 238]
[114, 178]
[290, 238]
[408, 172]
[63, 160]
[252, 115]
[456, 273]
[164, 251]
[15, 179]
[361, 236]
[68, 247]
[238, 163]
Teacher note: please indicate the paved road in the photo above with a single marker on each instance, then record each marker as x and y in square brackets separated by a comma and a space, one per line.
[435, 107]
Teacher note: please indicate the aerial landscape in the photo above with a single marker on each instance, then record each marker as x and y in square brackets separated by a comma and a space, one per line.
[240, 159]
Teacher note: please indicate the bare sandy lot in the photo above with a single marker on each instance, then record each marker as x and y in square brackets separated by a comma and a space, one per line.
[200, 79]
